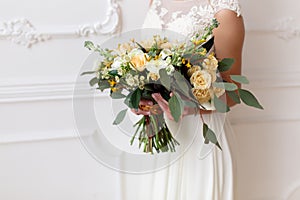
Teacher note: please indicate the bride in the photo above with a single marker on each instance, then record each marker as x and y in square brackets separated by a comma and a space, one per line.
[189, 178]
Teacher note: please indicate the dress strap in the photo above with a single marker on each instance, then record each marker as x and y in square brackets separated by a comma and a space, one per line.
[233, 5]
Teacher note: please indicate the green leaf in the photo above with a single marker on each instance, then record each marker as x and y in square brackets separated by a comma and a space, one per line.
[135, 98]
[226, 86]
[127, 100]
[190, 104]
[165, 79]
[90, 45]
[93, 81]
[181, 85]
[196, 59]
[210, 136]
[225, 64]
[120, 117]
[233, 95]
[88, 72]
[239, 79]
[249, 99]
[113, 72]
[220, 105]
[117, 95]
[176, 106]
[103, 84]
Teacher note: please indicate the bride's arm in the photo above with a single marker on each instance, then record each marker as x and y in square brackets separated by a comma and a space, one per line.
[229, 39]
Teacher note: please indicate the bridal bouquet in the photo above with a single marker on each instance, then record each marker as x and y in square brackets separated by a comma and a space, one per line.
[185, 74]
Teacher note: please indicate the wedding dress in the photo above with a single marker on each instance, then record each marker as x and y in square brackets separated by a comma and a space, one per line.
[201, 172]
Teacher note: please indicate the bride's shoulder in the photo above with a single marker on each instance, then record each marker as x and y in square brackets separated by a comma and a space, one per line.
[219, 5]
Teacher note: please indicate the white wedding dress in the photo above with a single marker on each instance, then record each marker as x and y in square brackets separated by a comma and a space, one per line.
[201, 172]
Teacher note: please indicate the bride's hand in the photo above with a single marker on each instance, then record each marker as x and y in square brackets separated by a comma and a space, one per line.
[164, 105]
[144, 107]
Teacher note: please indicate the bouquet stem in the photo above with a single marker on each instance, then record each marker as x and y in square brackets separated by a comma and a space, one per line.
[154, 134]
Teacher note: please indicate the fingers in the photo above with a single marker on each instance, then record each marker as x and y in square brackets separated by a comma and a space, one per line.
[164, 105]
[161, 101]
[144, 107]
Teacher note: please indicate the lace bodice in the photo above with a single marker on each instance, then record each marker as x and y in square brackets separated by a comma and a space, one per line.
[186, 16]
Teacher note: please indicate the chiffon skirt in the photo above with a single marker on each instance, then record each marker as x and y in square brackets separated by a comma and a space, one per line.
[199, 172]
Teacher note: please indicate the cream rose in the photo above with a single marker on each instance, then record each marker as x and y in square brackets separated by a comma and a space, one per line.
[210, 63]
[203, 96]
[213, 75]
[201, 80]
[139, 62]
[193, 70]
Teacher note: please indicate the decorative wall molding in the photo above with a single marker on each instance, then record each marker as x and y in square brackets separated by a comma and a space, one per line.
[23, 32]
[38, 90]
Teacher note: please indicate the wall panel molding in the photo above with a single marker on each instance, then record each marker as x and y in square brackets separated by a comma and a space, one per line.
[23, 32]
[37, 90]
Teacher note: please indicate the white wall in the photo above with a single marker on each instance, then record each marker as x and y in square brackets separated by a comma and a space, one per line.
[40, 156]
[269, 140]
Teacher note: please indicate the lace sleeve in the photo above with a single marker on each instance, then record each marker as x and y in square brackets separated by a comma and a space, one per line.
[233, 5]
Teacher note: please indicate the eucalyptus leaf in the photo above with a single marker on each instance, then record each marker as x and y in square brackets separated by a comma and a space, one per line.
[226, 86]
[135, 98]
[196, 59]
[120, 117]
[165, 79]
[249, 99]
[127, 100]
[93, 81]
[220, 105]
[176, 106]
[210, 136]
[239, 79]
[190, 104]
[181, 84]
[103, 84]
[88, 72]
[225, 64]
[117, 95]
[234, 96]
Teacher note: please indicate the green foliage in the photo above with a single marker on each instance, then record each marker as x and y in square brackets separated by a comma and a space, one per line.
[239, 79]
[93, 81]
[120, 117]
[226, 86]
[233, 95]
[133, 99]
[225, 64]
[220, 105]
[210, 136]
[165, 79]
[176, 106]
[249, 99]
[88, 72]
[117, 95]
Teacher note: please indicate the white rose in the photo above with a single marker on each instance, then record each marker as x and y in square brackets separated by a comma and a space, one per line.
[118, 61]
[154, 66]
